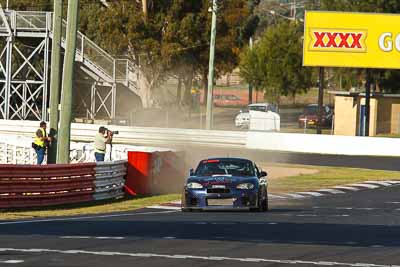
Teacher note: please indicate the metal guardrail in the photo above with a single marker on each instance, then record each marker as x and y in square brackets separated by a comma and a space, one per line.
[138, 135]
[18, 150]
[47, 185]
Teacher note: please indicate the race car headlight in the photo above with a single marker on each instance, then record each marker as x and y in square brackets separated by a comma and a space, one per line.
[194, 186]
[245, 186]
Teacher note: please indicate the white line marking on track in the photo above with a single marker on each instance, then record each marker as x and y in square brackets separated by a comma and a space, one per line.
[65, 219]
[347, 188]
[110, 237]
[395, 202]
[366, 208]
[169, 237]
[295, 195]
[12, 261]
[369, 186]
[272, 196]
[192, 257]
[332, 191]
[76, 237]
[164, 207]
[314, 194]
[93, 237]
[393, 182]
[379, 182]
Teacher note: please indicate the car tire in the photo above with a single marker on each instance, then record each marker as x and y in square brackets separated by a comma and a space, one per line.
[262, 205]
[265, 203]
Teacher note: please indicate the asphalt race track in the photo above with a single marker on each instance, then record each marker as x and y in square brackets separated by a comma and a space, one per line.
[197, 153]
[354, 229]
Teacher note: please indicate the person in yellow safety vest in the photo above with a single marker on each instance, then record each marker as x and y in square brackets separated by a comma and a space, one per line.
[41, 142]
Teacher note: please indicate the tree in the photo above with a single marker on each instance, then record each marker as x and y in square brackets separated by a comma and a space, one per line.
[43, 5]
[275, 63]
[164, 38]
[173, 39]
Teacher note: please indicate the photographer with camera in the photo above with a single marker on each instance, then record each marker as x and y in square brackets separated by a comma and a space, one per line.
[103, 137]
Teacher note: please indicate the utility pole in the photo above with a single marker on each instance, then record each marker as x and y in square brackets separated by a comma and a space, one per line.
[250, 84]
[367, 101]
[68, 79]
[210, 101]
[145, 11]
[55, 85]
[294, 10]
[320, 99]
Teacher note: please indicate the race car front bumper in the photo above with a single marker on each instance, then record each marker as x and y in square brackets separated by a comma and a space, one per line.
[210, 200]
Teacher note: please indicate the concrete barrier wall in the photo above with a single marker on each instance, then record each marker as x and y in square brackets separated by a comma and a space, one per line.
[304, 143]
[324, 144]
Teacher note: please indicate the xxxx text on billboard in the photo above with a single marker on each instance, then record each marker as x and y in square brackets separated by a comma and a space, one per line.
[355, 40]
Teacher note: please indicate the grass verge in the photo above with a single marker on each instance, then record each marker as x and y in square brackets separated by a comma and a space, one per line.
[89, 208]
[327, 177]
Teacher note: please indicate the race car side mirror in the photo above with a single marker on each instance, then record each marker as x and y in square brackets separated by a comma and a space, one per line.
[191, 172]
[263, 174]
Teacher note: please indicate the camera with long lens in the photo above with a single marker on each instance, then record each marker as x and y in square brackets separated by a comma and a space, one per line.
[111, 133]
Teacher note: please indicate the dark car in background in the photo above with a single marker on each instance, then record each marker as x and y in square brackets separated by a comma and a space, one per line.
[309, 117]
[228, 100]
[226, 183]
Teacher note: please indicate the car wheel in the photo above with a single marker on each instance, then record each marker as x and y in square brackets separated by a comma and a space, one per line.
[265, 203]
[262, 205]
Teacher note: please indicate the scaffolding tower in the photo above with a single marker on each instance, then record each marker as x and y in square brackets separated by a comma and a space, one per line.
[25, 42]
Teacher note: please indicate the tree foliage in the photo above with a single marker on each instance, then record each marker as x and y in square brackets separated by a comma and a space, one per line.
[275, 63]
[174, 39]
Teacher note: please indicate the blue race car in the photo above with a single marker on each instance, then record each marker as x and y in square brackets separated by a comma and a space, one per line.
[226, 183]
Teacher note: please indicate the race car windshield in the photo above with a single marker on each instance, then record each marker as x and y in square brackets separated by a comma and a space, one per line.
[233, 168]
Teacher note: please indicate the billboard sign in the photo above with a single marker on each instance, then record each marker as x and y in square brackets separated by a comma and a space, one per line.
[357, 40]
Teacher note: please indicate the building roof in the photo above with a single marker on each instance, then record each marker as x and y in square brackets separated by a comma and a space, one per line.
[362, 94]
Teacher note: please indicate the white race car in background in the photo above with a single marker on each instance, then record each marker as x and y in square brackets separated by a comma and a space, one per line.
[242, 120]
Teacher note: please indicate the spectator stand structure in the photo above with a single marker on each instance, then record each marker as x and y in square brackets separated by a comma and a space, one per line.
[24, 69]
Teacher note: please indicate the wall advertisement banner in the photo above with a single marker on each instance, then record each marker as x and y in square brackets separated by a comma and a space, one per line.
[355, 40]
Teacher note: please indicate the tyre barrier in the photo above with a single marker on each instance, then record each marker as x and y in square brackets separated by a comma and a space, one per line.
[23, 186]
